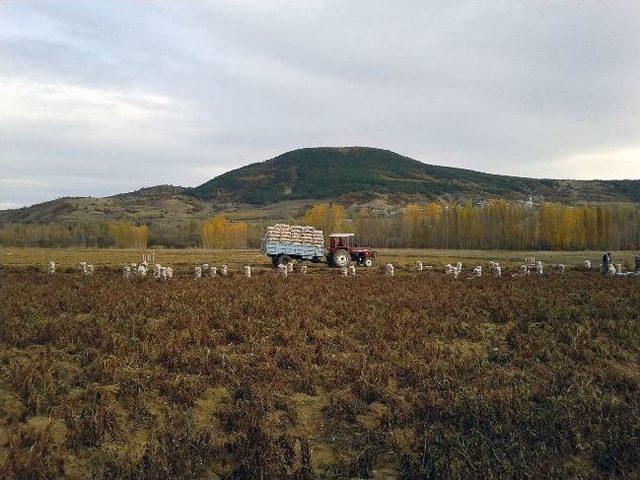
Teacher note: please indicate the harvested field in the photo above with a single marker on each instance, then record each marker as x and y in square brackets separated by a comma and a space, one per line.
[69, 257]
[318, 376]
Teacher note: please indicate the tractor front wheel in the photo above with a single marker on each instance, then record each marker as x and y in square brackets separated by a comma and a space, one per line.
[341, 258]
[365, 262]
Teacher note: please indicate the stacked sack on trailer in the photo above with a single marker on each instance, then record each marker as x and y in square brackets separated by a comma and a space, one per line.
[294, 234]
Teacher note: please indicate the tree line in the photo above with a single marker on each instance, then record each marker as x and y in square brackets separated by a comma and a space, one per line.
[501, 225]
[494, 225]
[82, 234]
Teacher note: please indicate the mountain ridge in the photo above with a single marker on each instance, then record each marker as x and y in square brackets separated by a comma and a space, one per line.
[330, 172]
[289, 182]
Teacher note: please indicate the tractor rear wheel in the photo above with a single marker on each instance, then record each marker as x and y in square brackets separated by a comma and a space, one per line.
[281, 259]
[341, 258]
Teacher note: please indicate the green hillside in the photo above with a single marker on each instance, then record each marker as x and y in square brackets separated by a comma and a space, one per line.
[360, 173]
[285, 186]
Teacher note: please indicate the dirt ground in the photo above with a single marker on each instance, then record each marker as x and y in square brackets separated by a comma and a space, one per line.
[311, 376]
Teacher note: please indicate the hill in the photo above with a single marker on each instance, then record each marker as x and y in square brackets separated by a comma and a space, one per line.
[163, 202]
[362, 174]
[284, 186]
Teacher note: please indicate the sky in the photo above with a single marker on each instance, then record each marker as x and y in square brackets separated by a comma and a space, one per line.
[104, 97]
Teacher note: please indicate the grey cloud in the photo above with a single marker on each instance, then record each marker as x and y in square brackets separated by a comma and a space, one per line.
[502, 86]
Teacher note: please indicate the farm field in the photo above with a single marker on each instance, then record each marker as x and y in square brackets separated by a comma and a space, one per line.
[405, 258]
[414, 376]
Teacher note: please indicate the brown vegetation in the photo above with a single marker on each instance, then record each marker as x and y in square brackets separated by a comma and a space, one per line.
[417, 376]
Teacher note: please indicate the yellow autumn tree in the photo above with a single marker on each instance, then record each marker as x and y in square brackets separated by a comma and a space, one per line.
[327, 217]
[126, 235]
[413, 224]
[218, 232]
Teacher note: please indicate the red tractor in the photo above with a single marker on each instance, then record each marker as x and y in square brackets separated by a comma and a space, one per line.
[343, 250]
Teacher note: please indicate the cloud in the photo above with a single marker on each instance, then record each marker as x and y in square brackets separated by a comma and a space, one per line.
[101, 97]
[22, 183]
[611, 164]
[32, 100]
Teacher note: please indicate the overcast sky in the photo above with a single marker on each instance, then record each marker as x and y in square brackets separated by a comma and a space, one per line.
[102, 97]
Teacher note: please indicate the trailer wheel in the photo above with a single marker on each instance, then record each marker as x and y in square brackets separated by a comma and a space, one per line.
[281, 259]
[341, 258]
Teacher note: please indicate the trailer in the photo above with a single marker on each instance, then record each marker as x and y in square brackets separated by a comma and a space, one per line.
[281, 252]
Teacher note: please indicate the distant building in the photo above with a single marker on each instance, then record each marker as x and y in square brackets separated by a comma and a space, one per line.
[529, 203]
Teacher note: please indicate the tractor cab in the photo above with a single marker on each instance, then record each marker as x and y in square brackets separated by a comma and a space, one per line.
[341, 240]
